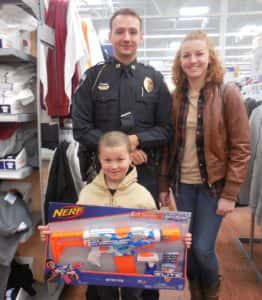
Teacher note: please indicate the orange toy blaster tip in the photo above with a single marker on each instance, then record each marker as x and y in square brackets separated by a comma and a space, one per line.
[171, 234]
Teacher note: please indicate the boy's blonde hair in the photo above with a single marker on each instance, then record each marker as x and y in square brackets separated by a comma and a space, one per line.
[114, 139]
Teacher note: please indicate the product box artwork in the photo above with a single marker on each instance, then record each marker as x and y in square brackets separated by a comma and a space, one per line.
[116, 247]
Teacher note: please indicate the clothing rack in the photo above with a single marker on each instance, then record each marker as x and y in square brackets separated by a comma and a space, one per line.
[253, 91]
[249, 253]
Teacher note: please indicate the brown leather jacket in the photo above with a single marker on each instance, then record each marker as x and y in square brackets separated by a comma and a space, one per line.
[226, 139]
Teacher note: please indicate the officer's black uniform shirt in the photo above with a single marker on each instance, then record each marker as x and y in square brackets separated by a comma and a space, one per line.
[136, 89]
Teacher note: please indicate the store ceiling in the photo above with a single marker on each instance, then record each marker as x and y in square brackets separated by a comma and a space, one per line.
[164, 27]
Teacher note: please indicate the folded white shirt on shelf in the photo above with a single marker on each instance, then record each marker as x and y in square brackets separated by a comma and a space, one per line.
[15, 103]
[10, 74]
[8, 89]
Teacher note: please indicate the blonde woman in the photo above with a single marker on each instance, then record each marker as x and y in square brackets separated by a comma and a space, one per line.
[209, 156]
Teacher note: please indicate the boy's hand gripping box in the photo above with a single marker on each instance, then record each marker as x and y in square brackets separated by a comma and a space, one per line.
[116, 247]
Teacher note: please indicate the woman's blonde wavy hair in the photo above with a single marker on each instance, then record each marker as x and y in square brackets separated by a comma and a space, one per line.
[215, 71]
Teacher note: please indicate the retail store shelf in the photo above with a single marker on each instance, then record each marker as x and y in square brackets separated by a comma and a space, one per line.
[22, 295]
[46, 35]
[36, 218]
[42, 292]
[17, 117]
[25, 188]
[10, 55]
[16, 174]
[47, 154]
[28, 8]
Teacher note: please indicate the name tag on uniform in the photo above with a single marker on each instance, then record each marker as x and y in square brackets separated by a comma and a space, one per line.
[103, 86]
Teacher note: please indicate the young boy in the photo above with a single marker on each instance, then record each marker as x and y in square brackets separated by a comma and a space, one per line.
[115, 185]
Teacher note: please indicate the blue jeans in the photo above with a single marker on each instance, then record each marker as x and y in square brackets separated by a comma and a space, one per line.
[95, 292]
[204, 226]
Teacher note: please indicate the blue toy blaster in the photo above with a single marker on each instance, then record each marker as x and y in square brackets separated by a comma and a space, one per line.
[120, 242]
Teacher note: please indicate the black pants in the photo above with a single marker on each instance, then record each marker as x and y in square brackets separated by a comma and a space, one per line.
[112, 293]
[148, 177]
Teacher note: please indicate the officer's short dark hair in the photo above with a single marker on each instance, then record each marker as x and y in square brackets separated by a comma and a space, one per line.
[114, 139]
[125, 12]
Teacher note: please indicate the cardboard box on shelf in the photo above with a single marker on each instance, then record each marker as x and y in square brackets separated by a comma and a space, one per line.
[10, 38]
[15, 162]
[29, 42]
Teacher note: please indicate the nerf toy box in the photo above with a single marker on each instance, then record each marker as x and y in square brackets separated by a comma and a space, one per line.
[116, 247]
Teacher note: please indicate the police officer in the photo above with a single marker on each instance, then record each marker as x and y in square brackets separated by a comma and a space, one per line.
[122, 94]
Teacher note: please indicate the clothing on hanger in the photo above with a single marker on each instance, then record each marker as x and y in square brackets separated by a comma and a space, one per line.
[251, 190]
[60, 186]
[15, 224]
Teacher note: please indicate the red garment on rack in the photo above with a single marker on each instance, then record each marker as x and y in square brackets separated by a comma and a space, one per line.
[7, 129]
[56, 100]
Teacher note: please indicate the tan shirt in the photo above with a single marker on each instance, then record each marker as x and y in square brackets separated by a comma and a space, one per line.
[190, 172]
[129, 193]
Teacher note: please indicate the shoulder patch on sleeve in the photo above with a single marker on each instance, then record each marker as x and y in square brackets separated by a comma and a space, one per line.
[81, 81]
[93, 70]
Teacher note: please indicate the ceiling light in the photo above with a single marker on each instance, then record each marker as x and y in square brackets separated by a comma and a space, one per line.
[237, 47]
[193, 10]
[158, 64]
[249, 30]
[190, 19]
[244, 56]
[154, 49]
[171, 36]
[174, 45]
[171, 58]
[237, 63]
[204, 22]
[94, 2]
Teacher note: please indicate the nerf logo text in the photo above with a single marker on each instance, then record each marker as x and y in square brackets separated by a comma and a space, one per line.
[68, 212]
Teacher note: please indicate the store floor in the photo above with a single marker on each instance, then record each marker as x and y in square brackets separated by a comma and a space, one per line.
[239, 281]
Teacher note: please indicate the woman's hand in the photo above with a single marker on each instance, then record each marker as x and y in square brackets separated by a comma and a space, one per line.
[225, 207]
[164, 199]
[188, 240]
[167, 199]
[44, 232]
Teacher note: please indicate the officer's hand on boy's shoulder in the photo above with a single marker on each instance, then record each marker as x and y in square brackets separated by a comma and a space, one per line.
[138, 157]
[133, 141]
[164, 199]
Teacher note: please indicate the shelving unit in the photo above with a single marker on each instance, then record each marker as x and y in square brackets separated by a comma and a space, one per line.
[249, 253]
[27, 178]
[42, 293]
[10, 55]
[31, 248]
[16, 174]
[32, 11]
[19, 118]
[50, 292]
[253, 91]
[25, 188]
